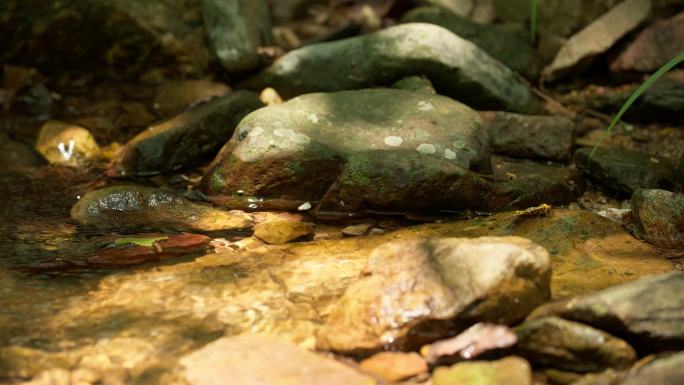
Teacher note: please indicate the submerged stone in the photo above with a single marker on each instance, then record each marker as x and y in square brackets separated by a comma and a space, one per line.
[454, 65]
[67, 144]
[507, 48]
[506, 371]
[236, 29]
[659, 216]
[103, 321]
[557, 343]
[251, 360]
[278, 232]
[648, 312]
[136, 207]
[424, 289]
[295, 150]
[624, 171]
[667, 370]
[186, 139]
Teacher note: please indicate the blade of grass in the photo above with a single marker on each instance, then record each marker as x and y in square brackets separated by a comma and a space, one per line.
[632, 98]
[534, 9]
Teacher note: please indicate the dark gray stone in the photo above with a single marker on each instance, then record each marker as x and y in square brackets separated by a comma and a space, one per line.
[187, 139]
[567, 345]
[502, 45]
[236, 29]
[648, 313]
[659, 216]
[528, 136]
[624, 171]
[455, 66]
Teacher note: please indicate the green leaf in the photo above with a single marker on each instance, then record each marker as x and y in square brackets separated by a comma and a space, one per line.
[147, 242]
[632, 98]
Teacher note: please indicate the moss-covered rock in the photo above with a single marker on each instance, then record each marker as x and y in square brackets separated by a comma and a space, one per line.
[624, 171]
[455, 66]
[186, 139]
[295, 151]
[659, 216]
[507, 371]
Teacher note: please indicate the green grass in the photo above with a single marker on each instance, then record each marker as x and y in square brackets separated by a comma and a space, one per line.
[635, 95]
[534, 13]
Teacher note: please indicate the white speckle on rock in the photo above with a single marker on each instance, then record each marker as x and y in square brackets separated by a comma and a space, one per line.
[394, 141]
[283, 132]
[425, 106]
[256, 132]
[304, 206]
[448, 154]
[313, 118]
[426, 148]
[291, 135]
[300, 138]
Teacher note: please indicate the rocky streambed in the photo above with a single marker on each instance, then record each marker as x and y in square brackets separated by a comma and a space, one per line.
[386, 192]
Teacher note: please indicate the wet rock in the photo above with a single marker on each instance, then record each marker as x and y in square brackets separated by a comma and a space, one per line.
[507, 48]
[281, 232]
[457, 67]
[236, 30]
[174, 97]
[187, 139]
[66, 144]
[130, 207]
[624, 171]
[140, 35]
[423, 289]
[248, 360]
[286, 291]
[659, 216]
[295, 151]
[415, 83]
[394, 366]
[507, 371]
[663, 371]
[557, 343]
[598, 37]
[529, 136]
[647, 312]
[653, 47]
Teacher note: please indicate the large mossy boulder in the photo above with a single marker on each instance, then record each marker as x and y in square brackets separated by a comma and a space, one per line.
[508, 48]
[455, 66]
[296, 150]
